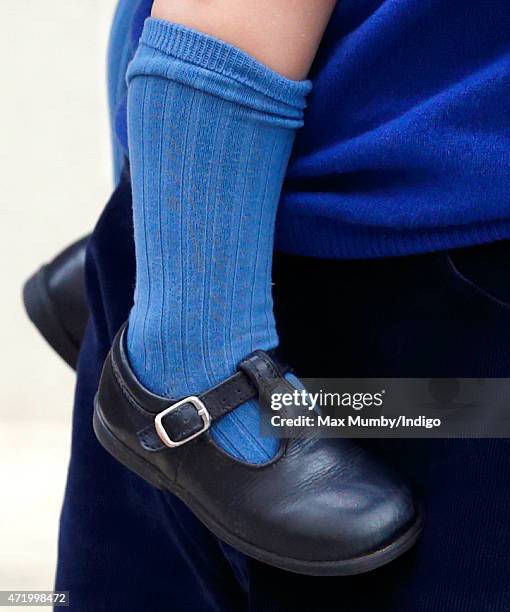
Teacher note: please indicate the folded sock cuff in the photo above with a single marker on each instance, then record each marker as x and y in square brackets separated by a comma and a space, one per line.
[175, 52]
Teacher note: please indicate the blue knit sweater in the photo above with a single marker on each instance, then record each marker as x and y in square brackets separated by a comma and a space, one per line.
[406, 144]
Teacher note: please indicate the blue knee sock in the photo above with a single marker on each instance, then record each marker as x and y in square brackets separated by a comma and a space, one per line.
[210, 134]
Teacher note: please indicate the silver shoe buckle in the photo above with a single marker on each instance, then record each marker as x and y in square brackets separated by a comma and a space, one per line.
[201, 411]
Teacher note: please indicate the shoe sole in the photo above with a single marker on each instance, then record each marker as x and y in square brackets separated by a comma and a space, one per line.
[150, 473]
[41, 311]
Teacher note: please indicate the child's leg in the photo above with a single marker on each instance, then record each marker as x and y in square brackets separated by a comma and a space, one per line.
[282, 34]
[211, 130]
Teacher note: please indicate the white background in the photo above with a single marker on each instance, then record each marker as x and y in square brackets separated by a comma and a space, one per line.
[55, 177]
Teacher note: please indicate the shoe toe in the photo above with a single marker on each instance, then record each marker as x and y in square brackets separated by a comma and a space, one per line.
[346, 509]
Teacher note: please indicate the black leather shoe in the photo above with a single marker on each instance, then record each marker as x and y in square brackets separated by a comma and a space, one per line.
[320, 507]
[56, 303]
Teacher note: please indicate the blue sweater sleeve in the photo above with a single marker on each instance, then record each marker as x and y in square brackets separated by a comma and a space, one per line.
[406, 142]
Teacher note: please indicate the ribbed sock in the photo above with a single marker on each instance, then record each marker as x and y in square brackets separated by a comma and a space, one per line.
[210, 134]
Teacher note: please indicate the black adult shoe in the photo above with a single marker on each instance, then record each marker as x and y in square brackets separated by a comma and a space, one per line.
[320, 507]
[56, 303]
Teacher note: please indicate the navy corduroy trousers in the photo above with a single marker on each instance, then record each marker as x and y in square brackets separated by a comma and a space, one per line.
[127, 547]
